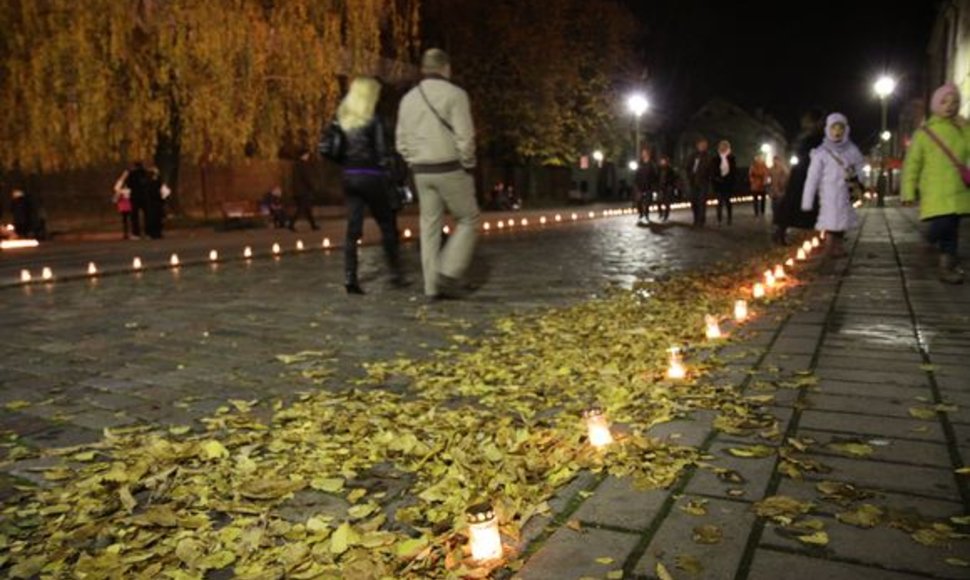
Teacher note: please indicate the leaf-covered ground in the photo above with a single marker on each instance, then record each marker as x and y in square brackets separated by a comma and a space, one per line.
[372, 481]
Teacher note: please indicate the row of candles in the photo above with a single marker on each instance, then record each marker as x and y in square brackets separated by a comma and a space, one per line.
[47, 274]
[484, 538]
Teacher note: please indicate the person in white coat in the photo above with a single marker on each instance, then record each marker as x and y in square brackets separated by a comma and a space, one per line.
[834, 169]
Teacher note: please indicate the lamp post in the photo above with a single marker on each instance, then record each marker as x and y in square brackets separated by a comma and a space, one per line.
[884, 87]
[598, 158]
[638, 105]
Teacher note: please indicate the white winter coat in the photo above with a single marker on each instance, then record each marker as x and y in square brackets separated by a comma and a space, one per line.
[826, 178]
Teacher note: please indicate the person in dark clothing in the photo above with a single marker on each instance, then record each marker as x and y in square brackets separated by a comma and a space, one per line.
[789, 213]
[154, 204]
[356, 139]
[667, 184]
[646, 182]
[758, 177]
[725, 174]
[137, 183]
[698, 173]
[273, 202]
[303, 187]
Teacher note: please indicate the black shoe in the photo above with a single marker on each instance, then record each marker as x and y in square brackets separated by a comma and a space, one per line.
[354, 289]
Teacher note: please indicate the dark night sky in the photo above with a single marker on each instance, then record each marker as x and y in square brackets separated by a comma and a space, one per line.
[783, 56]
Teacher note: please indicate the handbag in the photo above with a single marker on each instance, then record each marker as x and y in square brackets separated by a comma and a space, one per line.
[961, 168]
[856, 188]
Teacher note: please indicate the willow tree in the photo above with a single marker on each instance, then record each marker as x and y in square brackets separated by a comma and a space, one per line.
[85, 83]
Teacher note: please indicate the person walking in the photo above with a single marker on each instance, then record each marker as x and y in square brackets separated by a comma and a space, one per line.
[357, 140]
[758, 176]
[303, 187]
[834, 168]
[934, 170]
[725, 173]
[436, 137]
[646, 181]
[698, 174]
[777, 183]
[122, 201]
[788, 213]
[137, 183]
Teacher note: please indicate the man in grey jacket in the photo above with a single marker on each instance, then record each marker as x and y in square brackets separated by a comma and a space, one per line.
[436, 137]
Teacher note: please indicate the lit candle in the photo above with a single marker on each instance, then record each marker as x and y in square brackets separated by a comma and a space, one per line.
[511, 223]
[213, 256]
[47, 274]
[575, 217]
[524, 222]
[299, 245]
[815, 243]
[247, 252]
[780, 272]
[790, 263]
[801, 255]
[769, 279]
[92, 269]
[759, 291]
[483, 534]
[25, 276]
[676, 369]
[598, 428]
[822, 234]
[740, 310]
[807, 246]
[276, 249]
[174, 260]
[326, 242]
[542, 220]
[713, 328]
[500, 224]
[591, 215]
[558, 218]
[486, 226]
[136, 264]
[446, 230]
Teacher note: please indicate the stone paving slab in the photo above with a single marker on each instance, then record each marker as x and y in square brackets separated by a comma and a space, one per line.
[774, 565]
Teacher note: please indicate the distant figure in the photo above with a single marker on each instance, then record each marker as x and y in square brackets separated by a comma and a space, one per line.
[646, 180]
[835, 165]
[157, 192]
[137, 183]
[436, 137]
[366, 159]
[777, 182]
[667, 187]
[698, 173]
[758, 177]
[274, 207]
[303, 188]
[497, 197]
[788, 213]
[933, 167]
[725, 172]
[122, 201]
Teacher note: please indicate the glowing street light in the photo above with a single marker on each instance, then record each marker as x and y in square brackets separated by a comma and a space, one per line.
[793, 161]
[638, 105]
[598, 157]
[633, 165]
[886, 136]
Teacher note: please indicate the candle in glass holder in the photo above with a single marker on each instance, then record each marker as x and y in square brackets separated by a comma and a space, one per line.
[758, 291]
[807, 246]
[524, 222]
[575, 217]
[598, 428]
[713, 328]
[136, 264]
[780, 272]
[276, 249]
[407, 233]
[558, 218]
[299, 246]
[92, 269]
[25, 276]
[815, 243]
[801, 255]
[542, 220]
[790, 263]
[769, 279]
[483, 533]
[213, 256]
[47, 274]
[676, 369]
[740, 310]
[326, 242]
[247, 252]
[174, 261]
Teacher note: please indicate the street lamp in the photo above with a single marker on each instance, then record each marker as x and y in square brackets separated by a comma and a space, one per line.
[793, 161]
[886, 136]
[633, 165]
[598, 157]
[638, 105]
[884, 87]
[767, 149]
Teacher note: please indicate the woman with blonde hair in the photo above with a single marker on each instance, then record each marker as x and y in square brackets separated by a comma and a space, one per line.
[357, 141]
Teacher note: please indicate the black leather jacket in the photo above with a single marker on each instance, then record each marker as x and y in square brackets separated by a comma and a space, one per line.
[364, 147]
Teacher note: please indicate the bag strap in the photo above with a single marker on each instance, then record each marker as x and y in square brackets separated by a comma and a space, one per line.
[946, 150]
[446, 124]
[838, 159]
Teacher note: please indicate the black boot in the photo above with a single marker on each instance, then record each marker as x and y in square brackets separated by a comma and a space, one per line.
[352, 285]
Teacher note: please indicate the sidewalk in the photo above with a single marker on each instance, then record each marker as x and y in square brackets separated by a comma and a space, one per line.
[887, 424]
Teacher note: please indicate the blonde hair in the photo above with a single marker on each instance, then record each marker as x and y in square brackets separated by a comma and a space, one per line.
[357, 108]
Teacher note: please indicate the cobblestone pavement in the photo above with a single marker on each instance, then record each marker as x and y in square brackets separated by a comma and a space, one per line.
[170, 346]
